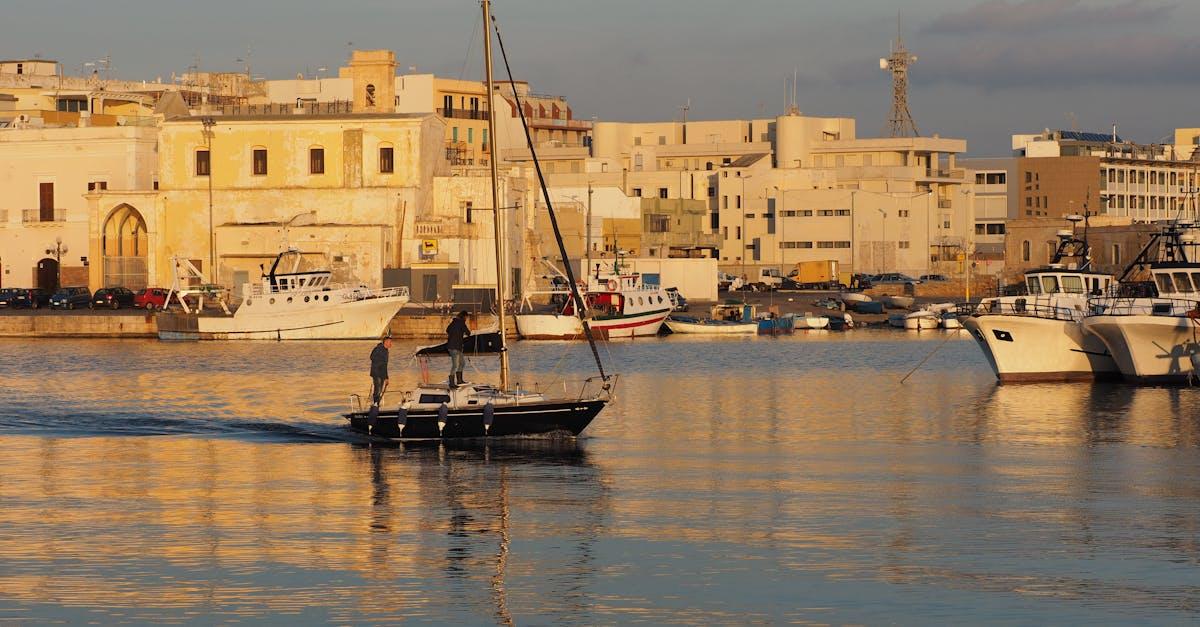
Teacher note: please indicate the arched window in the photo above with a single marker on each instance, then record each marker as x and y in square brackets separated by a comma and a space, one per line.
[1025, 250]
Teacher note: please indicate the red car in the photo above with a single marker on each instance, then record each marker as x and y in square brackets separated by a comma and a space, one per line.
[151, 298]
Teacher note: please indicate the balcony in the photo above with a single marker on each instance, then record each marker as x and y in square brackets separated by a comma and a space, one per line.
[463, 114]
[49, 216]
[581, 125]
[940, 173]
[944, 203]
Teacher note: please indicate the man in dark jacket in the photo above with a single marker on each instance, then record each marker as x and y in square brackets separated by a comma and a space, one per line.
[456, 333]
[379, 373]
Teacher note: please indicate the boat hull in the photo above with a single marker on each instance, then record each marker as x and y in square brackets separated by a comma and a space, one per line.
[920, 323]
[699, 328]
[531, 419]
[354, 320]
[1148, 348]
[1026, 348]
[561, 327]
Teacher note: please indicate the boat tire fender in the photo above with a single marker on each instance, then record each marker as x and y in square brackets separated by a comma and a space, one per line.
[443, 412]
[489, 416]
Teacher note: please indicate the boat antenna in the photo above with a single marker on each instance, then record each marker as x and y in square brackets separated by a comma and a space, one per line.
[497, 221]
[537, 166]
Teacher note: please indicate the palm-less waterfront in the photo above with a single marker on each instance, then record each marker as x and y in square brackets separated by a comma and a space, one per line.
[731, 481]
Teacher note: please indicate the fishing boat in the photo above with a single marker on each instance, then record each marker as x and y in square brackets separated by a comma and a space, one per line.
[291, 301]
[1155, 338]
[474, 410]
[1038, 336]
[618, 304]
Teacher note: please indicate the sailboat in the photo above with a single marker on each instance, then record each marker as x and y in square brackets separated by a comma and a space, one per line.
[475, 410]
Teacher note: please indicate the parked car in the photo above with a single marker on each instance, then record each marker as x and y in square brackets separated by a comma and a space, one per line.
[151, 298]
[111, 297]
[14, 298]
[893, 278]
[70, 298]
[934, 277]
[39, 297]
[678, 302]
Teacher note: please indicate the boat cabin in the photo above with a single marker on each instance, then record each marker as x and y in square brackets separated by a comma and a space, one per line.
[1060, 280]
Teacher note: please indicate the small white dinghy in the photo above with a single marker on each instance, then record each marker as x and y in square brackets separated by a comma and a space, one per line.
[710, 326]
[950, 320]
[854, 297]
[809, 321]
[898, 302]
[921, 320]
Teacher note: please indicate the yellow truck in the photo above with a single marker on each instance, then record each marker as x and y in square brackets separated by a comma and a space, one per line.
[815, 275]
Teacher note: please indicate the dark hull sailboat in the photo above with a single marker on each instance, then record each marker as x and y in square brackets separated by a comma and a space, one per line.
[532, 419]
[446, 411]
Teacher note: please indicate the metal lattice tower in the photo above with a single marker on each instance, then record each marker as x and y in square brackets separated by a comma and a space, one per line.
[901, 120]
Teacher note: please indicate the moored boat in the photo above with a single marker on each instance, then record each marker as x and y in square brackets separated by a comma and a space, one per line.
[920, 320]
[1155, 338]
[709, 326]
[290, 302]
[1037, 335]
[618, 305]
[898, 302]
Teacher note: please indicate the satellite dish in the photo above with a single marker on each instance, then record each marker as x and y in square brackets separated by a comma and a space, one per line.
[883, 64]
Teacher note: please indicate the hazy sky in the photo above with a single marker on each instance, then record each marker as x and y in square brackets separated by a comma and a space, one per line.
[985, 70]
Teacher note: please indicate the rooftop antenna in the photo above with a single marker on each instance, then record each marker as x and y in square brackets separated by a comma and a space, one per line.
[684, 108]
[901, 121]
[792, 109]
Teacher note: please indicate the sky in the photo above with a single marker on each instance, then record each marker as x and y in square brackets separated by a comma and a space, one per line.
[985, 69]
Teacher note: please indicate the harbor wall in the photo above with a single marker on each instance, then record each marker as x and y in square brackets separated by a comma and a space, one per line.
[81, 325]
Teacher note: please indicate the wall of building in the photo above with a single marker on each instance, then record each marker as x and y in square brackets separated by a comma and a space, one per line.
[69, 159]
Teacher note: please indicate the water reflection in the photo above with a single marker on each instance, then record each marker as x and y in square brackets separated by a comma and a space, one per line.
[791, 479]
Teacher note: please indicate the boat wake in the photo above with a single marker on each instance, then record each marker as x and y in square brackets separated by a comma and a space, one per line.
[95, 424]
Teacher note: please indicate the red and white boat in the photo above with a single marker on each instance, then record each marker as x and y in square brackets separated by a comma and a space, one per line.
[619, 305]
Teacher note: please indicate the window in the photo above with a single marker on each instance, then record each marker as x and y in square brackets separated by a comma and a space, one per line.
[1165, 286]
[1028, 201]
[824, 212]
[795, 244]
[750, 216]
[1072, 284]
[662, 192]
[724, 202]
[712, 192]
[708, 165]
[902, 244]
[454, 134]
[466, 208]
[1182, 282]
[659, 223]
[97, 186]
[946, 224]
[846, 212]
[835, 244]
[1050, 284]
[739, 233]
[1025, 250]
[739, 201]
[484, 138]
[806, 213]
[316, 160]
[662, 140]
[20, 68]
[637, 141]
[637, 192]
[1029, 177]
[995, 229]
[979, 229]
[470, 135]
[714, 220]
[1116, 254]
[203, 166]
[260, 161]
[726, 160]
[902, 213]
[385, 160]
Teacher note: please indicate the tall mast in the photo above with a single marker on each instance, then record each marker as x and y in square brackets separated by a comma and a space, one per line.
[496, 211]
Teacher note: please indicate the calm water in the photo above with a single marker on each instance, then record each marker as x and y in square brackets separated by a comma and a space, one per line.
[732, 481]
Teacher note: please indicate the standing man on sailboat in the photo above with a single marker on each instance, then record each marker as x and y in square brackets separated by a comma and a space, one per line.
[456, 333]
[379, 373]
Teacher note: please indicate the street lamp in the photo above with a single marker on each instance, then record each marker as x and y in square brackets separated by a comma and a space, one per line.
[883, 236]
[57, 252]
[208, 123]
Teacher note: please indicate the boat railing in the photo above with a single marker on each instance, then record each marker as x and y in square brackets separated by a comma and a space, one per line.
[348, 291]
[362, 402]
[1019, 307]
[591, 388]
[1144, 306]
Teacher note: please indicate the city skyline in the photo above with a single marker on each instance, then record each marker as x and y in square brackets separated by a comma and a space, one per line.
[985, 71]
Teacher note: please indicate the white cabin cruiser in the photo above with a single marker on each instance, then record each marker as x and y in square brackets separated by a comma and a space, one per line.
[288, 303]
[1155, 336]
[1038, 336]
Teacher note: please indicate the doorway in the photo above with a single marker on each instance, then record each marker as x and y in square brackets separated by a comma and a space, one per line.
[47, 274]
